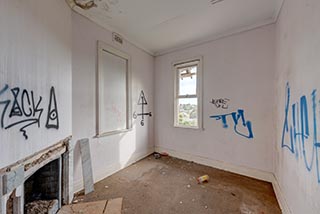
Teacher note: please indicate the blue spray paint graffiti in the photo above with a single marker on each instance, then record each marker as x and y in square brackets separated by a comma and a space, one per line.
[25, 110]
[303, 141]
[236, 116]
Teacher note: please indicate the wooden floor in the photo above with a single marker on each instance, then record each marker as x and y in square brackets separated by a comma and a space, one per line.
[169, 185]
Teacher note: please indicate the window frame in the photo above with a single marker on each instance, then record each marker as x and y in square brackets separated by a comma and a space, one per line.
[104, 47]
[196, 61]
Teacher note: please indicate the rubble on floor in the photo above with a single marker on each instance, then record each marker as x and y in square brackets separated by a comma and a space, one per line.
[42, 207]
[159, 185]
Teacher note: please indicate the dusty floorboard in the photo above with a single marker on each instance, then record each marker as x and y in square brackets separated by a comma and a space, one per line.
[168, 185]
[113, 206]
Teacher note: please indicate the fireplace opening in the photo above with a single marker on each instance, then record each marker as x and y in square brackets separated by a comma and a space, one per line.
[42, 190]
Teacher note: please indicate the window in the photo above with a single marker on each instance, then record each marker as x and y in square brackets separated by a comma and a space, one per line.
[188, 94]
[114, 91]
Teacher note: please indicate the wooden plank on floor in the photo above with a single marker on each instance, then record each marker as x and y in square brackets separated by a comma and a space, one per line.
[114, 206]
[96, 207]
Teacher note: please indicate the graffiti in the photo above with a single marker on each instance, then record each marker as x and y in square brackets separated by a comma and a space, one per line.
[236, 116]
[24, 110]
[299, 135]
[142, 101]
[220, 103]
[52, 117]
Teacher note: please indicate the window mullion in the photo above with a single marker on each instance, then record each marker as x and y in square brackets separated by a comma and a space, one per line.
[187, 96]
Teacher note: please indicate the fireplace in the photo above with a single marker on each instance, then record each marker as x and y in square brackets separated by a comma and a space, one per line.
[42, 190]
[40, 184]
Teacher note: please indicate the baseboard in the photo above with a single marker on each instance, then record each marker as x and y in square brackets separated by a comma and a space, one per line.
[242, 170]
[111, 169]
[281, 199]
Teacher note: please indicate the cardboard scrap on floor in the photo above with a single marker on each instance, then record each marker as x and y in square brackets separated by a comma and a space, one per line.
[113, 206]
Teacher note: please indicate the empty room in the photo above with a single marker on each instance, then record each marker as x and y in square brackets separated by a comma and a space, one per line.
[159, 106]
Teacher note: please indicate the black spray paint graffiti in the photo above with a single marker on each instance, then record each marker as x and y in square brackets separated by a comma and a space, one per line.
[236, 116]
[220, 103]
[24, 110]
[52, 117]
[142, 101]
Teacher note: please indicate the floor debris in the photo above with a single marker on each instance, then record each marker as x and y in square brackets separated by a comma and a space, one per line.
[157, 155]
[164, 154]
[42, 207]
[202, 179]
[146, 190]
[113, 206]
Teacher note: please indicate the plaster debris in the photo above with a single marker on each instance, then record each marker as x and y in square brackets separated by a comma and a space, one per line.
[156, 155]
[42, 207]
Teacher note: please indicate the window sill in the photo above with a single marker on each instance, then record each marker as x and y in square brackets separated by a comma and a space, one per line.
[188, 127]
[105, 134]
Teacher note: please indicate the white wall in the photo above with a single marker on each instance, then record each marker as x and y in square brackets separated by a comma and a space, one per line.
[298, 51]
[35, 54]
[240, 68]
[111, 153]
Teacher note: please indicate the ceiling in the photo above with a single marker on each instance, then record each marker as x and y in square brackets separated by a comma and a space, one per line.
[161, 26]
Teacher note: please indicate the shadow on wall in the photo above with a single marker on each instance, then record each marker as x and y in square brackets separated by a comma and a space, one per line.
[112, 153]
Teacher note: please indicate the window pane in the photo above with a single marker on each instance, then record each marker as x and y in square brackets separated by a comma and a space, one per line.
[188, 81]
[187, 112]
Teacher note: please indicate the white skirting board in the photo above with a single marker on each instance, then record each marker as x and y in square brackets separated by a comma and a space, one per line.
[281, 199]
[242, 170]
